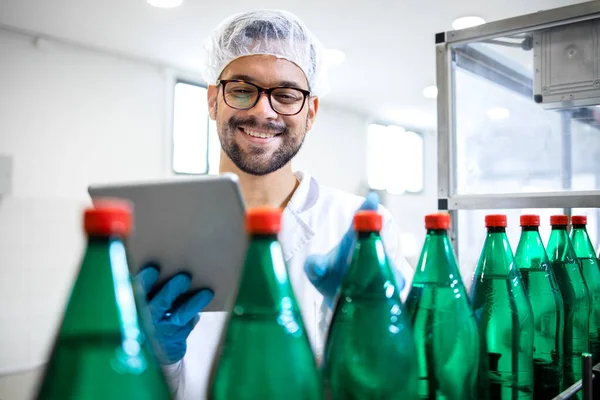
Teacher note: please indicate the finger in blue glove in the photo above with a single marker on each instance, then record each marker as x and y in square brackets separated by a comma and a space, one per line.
[173, 319]
[326, 272]
[147, 278]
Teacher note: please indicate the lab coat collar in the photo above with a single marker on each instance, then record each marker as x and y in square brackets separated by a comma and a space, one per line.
[297, 227]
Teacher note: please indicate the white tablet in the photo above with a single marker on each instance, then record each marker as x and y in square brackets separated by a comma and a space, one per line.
[187, 225]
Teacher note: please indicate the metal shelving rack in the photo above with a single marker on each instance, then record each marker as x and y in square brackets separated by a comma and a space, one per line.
[447, 44]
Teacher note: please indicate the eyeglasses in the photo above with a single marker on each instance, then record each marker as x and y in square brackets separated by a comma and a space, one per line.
[242, 95]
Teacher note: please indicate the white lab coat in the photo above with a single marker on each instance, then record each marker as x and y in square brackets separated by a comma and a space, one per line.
[314, 222]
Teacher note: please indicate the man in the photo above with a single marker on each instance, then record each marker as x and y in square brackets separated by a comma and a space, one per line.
[264, 71]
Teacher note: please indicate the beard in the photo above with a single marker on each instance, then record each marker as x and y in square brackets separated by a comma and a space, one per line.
[254, 160]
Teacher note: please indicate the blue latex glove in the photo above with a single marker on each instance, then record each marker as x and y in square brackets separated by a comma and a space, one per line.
[172, 326]
[326, 272]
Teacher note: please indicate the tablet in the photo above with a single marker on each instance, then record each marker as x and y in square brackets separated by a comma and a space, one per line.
[187, 225]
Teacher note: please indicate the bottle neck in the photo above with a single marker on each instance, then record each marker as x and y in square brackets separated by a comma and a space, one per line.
[531, 229]
[437, 263]
[369, 272]
[263, 236]
[531, 254]
[530, 234]
[437, 232]
[367, 234]
[581, 242]
[102, 299]
[497, 257]
[560, 248]
[264, 285]
[559, 233]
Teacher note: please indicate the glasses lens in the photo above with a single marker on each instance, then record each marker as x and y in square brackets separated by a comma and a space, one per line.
[240, 94]
[287, 100]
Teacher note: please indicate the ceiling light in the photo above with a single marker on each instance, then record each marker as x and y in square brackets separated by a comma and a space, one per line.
[498, 113]
[430, 92]
[467, 22]
[335, 56]
[165, 3]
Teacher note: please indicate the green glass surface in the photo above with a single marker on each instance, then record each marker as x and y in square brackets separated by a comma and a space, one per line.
[264, 351]
[546, 302]
[505, 320]
[101, 351]
[437, 304]
[576, 301]
[370, 352]
[591, 272]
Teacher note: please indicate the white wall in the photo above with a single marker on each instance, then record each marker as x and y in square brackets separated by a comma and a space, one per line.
[334, 151]
[71, 117]
[68, 118]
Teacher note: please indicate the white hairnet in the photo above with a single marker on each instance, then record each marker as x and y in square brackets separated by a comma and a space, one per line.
[272, 32]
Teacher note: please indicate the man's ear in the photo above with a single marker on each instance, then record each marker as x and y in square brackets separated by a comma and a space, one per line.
[212, 101]
[313, 107]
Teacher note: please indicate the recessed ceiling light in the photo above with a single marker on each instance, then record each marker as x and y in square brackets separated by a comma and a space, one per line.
[165, 3]
[498, 113]
[467, 22]
[335, 56]
[430, 92]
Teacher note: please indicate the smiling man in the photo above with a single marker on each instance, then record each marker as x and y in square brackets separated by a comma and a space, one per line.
[263, 110]
[264, 70]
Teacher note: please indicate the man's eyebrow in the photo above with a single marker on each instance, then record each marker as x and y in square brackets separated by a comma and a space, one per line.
[291, 84]
[248, 78]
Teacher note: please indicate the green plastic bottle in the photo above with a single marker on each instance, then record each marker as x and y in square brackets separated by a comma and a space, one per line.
[264, 351]
[591, 272]
[101, 351]
[546, 302]
[437, 304]
[576, 298]
[369, 352]
[504, 317]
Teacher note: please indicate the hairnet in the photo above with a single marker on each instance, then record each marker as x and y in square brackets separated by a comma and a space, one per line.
[271, 32]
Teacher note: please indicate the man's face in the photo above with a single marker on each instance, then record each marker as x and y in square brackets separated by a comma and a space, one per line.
[238, 129]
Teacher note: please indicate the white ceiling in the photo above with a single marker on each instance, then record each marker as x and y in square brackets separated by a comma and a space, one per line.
[389, 45]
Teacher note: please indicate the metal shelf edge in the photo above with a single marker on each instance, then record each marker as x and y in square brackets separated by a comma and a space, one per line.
[577, 199]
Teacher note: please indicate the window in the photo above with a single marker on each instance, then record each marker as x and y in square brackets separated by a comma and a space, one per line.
[394, 159]
[196, 148]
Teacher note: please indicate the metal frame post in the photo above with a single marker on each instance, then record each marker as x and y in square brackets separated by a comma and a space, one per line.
[449, 200]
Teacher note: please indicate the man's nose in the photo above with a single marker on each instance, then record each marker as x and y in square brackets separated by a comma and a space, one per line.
[263, 109]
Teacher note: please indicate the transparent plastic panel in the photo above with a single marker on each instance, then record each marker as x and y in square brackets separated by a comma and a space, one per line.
[525, 116]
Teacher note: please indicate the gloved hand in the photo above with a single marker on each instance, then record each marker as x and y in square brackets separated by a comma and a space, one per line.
[172, 326]
[326, 272]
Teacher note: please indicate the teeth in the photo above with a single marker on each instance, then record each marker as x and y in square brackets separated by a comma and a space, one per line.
[259, 134]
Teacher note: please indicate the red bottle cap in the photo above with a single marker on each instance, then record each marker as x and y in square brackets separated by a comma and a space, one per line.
[579, 220]
[559, 220]
[263, 220]
[530, 220]
[495, 221]
[108, 217]
[437, 221]
[368, 221]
